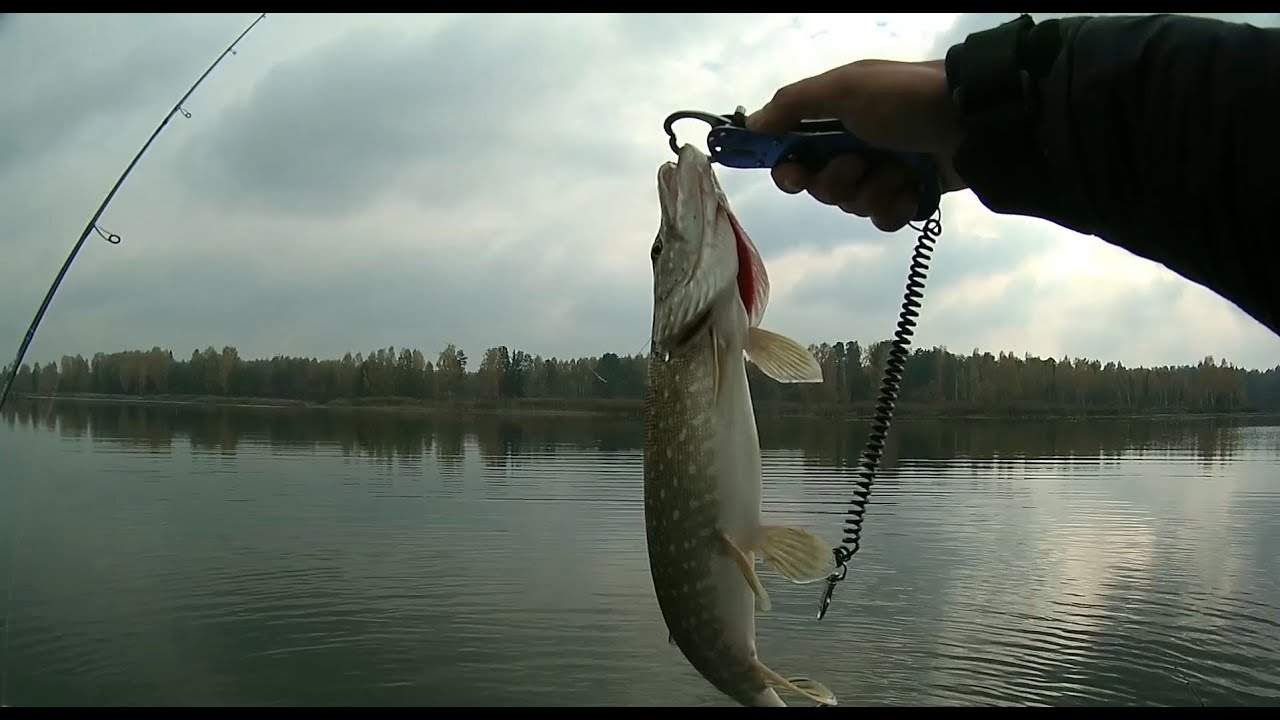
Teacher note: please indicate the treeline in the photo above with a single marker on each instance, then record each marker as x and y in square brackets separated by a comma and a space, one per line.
[978, 381]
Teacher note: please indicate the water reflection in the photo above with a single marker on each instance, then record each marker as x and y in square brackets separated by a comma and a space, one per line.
[206, 555]
[821, 443]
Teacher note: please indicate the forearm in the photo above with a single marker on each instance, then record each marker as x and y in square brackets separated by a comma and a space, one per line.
[1157, 134]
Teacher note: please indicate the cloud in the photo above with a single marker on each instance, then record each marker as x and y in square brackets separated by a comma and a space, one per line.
[353, 182]
[102, 64]
[388, 111]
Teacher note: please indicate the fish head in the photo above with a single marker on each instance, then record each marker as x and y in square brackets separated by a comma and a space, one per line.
[700, 252]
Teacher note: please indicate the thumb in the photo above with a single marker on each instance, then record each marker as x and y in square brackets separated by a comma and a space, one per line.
[888, 103]
[813, 97]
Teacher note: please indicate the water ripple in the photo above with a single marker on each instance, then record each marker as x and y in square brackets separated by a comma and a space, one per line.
[496, 566]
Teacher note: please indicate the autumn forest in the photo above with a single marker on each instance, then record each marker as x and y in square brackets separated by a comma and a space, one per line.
[934, 379]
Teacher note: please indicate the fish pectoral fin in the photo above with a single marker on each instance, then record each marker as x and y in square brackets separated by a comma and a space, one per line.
[671, 639]
[781, 358]
[796, 554]
[748, 571]
[808, 687]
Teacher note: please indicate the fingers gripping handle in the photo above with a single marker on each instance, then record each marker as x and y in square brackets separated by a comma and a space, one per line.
[737, 147]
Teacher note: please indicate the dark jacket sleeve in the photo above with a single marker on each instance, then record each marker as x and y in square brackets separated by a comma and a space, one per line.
[1159, 134]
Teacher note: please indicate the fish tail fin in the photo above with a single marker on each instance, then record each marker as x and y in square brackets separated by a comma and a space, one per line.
[804, 686]
[767, 698]
[813, 690]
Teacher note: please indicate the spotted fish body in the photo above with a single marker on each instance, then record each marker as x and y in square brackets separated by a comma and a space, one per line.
[702, 479]
[690, 471]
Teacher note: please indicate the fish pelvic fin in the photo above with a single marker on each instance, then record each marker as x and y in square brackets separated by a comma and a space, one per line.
[796, 554]
[781, 358]
[803, 686]
[748, 569]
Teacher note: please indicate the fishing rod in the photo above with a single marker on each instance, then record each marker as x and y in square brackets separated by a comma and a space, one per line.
[114, 239]
[812, 144]
[93, 226]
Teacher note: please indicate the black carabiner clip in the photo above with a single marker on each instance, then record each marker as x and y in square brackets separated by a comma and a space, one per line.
[842, 569]
[711, 119]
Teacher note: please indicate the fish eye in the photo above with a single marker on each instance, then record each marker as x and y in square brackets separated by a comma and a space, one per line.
[656, 250]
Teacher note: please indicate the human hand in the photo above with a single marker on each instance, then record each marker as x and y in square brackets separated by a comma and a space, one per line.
[902, 106]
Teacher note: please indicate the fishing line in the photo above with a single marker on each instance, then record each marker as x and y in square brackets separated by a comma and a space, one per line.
[92, 225]
[930, 232]
[114, 239]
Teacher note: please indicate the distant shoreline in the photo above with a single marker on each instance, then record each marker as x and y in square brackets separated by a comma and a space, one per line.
[632, 408]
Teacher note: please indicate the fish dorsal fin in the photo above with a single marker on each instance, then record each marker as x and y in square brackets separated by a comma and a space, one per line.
[753, 279]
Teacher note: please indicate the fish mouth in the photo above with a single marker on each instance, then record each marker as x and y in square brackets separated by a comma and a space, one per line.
[694, 268]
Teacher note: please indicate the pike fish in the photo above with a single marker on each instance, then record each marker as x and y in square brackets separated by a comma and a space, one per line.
[702, 478]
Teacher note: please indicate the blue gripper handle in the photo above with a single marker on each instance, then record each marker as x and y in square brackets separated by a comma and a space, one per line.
[737, 147]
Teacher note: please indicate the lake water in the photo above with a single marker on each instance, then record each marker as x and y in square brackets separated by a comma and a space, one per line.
[169, 555]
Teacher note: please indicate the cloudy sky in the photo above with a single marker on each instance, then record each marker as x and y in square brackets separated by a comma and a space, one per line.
[354, 182]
